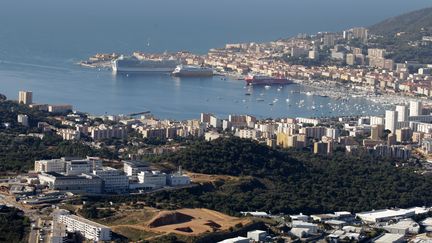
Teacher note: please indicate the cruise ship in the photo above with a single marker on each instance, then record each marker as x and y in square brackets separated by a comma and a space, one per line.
[266, 80]
[133, 64]
[192, 71]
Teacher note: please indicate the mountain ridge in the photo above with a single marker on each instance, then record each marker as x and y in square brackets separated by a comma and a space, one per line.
[410, 22]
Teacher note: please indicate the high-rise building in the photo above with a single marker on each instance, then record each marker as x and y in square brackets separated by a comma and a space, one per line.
[403, 134]
[25, 97]
[205, 117]
[415, 108]
[360, 33]
[329, 40]
[377, 131]
[376, 52]
[215, 122]
[391, 120]
[402, 113]
[320, 148]
[350, 59]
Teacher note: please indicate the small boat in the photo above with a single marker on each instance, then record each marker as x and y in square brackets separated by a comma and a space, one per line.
[247, 93]
[267, 87]
[259, 99]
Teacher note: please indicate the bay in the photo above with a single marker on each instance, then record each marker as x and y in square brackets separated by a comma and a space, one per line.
[40, 42]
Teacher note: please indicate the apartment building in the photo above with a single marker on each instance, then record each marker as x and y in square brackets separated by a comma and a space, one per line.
[87, 228]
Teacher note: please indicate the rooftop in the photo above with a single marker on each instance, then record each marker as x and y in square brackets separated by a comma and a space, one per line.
[389, 238]
[86, 221]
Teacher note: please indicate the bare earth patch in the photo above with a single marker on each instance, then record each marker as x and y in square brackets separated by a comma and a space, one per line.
[200, 178]
[203, 220]
[149, 222]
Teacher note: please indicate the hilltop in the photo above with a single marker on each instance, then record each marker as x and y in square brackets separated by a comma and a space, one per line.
[411, 23]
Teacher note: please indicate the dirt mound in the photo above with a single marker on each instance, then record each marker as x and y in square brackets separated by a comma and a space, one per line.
[171, 217]
[213, 224]
[184, 229]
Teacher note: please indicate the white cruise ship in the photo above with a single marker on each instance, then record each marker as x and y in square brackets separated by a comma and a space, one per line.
[133, 64]
[192, 71]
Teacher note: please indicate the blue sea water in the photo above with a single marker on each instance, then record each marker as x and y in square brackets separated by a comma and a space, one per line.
[41, 40]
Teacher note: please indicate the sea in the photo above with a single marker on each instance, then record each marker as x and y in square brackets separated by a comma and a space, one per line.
[41, 42]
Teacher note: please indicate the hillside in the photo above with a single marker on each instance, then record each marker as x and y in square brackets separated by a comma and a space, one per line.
[14, 226]
[402, 36]
[289, 181]
[412, 22]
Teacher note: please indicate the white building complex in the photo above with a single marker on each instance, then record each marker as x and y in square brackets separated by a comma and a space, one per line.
[132, 168]
[84, 183]
[113, 180]
[68, 166]
[388, 214]
[153, 178]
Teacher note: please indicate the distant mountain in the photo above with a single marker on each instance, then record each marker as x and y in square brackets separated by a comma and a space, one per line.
[411, 23]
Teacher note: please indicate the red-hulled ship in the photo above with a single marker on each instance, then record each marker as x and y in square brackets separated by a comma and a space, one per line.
[266, 80]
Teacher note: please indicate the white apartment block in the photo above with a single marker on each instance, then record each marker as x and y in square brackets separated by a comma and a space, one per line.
[87, 228]
[377, 120]
[69, 134]
[391, 120]
[59, 108]
[308, 120]
[215, 122]
[248, 133]
[103, 132]
[23, 119]
[415, 108]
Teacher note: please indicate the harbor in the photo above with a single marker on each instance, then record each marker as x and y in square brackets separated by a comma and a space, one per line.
[309, 97]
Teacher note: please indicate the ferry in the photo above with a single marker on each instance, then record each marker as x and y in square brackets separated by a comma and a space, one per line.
[192, 71]
[266, 80]
[133, 64]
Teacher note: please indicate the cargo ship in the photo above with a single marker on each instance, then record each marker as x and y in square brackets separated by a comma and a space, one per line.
[133, 64]
[192, 71]
[266, 80]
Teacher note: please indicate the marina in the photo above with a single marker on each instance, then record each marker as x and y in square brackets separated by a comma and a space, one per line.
[178, 97]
